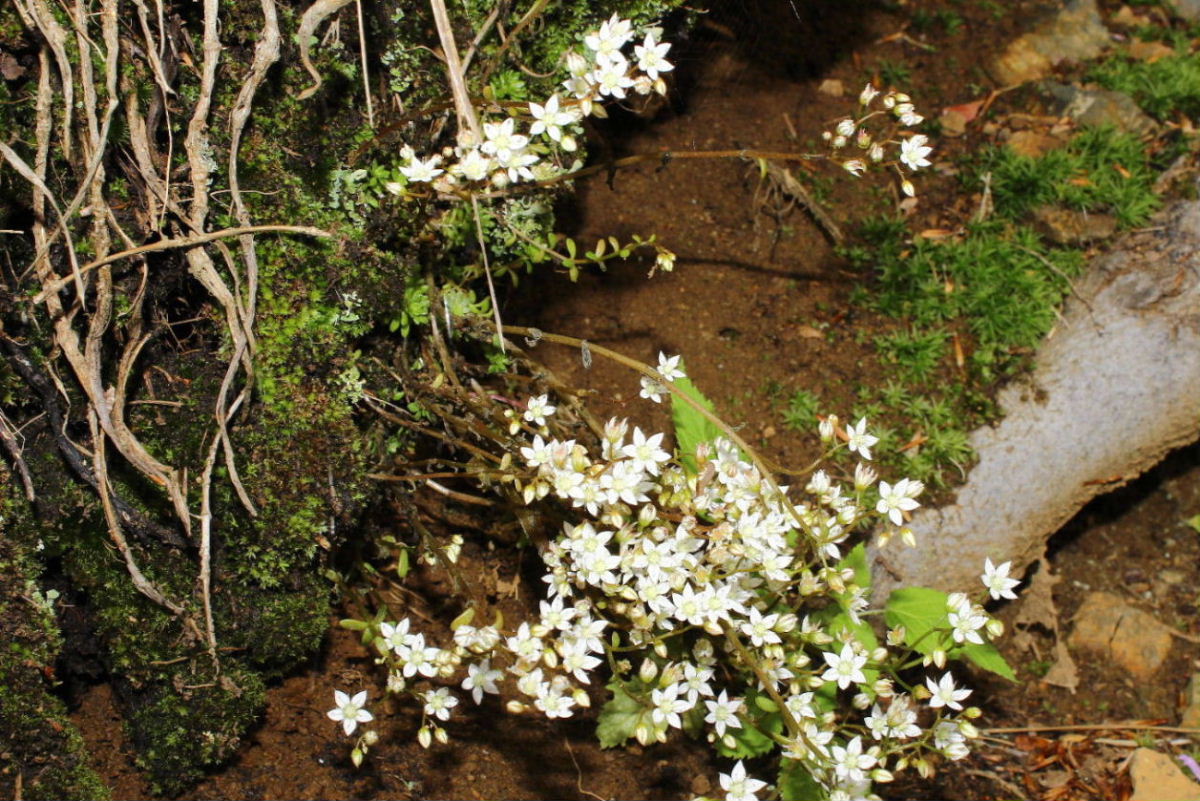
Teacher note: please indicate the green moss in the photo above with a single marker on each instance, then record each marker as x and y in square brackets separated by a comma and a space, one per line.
[1100, 170]
[194, 721]
[39, 743]
[1164, 88]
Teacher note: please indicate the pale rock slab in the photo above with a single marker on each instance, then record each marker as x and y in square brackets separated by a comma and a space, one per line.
[1115, 388]
[1108, 627]
[1156, 777]
[1074, 33]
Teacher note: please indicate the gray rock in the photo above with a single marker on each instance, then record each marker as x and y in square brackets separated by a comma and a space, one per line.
[1115, 388]
[1074, 33]
[1097, 107]
[1186, 9]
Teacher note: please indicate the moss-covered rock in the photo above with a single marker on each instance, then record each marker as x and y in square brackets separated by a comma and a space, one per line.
[41, 752]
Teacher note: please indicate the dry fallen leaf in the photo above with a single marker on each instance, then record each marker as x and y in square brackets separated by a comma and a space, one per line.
[936, 233]
[1037, 609]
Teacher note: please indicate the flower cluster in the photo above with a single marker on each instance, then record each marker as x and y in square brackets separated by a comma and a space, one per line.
[510, 152]
[717, 603]
[895, 107]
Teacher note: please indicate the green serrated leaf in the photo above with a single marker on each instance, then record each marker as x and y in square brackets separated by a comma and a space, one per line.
[920, 610]
[618, 717]
[857, 560]
[797, 784]
[749, 741]
[691, 427]
[987, 657]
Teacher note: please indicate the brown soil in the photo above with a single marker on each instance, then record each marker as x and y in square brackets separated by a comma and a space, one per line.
[752, 286]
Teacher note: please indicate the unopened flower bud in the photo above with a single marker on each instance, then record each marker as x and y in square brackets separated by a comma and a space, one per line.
[581, 698]
[968, 729]
[906, 186]
[994, 627]
[863, 139]
[907, 537]
[876, 153]
[882, 776]
[729, 742]
[972, 713]
[440, 735]
[846, 128]
[924, 768]
[647, 671]
[921, 692]
[827, 427]
[643, 734]
[425, 737]
[371, 737]
[896, 636]
[861, 701]
[838, 142]
[883, 688]
[356, 756]
[880, 654]
[660, 649]
[939, 658]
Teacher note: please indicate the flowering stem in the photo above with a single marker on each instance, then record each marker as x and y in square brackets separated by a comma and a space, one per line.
[665, 157]
[650, 372]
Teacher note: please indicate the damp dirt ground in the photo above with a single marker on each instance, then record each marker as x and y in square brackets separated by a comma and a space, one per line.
[754, 281]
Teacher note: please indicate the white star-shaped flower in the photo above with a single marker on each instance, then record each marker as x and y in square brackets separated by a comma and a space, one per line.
[997, 581]
[349, 711]
[651, 56]
[913, 151]
[944, 693]
[859, 440]
[738, 786]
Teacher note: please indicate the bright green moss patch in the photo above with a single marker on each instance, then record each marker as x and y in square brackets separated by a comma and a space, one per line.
[1163, 88]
